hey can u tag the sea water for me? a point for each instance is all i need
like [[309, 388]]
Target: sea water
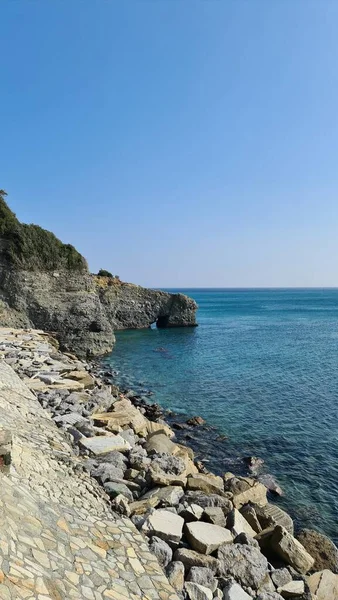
[[262, 367]]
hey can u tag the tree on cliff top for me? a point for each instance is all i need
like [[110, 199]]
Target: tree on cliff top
[[31, 248]]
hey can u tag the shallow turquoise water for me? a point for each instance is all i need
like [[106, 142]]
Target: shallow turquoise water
[[263, 368]]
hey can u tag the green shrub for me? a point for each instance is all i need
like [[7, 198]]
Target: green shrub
[[32, 248], [104, 273]]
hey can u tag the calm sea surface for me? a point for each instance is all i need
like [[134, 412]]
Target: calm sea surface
[[262, 367]]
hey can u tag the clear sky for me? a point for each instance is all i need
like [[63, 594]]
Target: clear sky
[[177, 142]]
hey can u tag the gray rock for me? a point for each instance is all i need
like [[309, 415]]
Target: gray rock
[[204, 576], [101, 444], [175, 574], [245, 564], [290, 550], [115, 458], [138, 459], [214, 515], [205, 537], [238, 524], [293, 589], [168, 496], [280, 577], [195, 591], [271, 514], [270, 484], [113, 489], [107, 472], [209, 500], [190, 558], [250, 515], [172, 465], [160, 443], [244, 490], [233, 591], [162, 551], [165, 525], [244, 538], [190, 512], [269, 596]]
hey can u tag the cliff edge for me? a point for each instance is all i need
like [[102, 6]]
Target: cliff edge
[[45, 284]]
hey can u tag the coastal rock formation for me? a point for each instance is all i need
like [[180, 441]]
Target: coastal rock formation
[[46, 285], [127, 458]]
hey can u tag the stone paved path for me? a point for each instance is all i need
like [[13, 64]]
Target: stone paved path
[[58, 538]]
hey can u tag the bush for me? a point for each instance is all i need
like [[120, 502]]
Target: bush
[[104, 273], [31, 248]]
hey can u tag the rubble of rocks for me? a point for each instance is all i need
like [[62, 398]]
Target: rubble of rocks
[[215, 537]]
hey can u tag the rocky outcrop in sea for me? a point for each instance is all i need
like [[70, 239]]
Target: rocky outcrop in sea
[[214, 536], [46, 285]]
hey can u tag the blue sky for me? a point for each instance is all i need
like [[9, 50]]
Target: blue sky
[[177, 142]]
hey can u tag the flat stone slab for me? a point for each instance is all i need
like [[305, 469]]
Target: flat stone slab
[[164, 524], [205, 537], [100, 444], [324, 585]]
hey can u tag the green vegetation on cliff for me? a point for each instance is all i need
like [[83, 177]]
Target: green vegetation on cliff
[[31, 248]]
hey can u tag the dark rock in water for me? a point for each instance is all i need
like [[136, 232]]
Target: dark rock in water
[[195, 421], [321, 548], [180, 426], [271, 484], [254, 463], [222, 438]]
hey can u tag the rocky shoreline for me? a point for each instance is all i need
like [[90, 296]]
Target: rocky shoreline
[[215, 536]]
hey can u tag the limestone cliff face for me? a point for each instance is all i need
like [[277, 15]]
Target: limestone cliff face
[[46, 284], [83, 310]]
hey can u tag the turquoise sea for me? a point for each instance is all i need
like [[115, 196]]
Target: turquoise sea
[[262, 367]]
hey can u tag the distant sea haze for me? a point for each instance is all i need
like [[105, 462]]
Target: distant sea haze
[[262, 367]]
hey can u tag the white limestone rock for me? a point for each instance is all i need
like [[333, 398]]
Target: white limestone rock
[[205, 537]]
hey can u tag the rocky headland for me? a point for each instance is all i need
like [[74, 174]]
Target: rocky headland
[[213, 536], [46, 284]]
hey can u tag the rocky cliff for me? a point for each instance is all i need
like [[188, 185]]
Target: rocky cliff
[[46, 285]]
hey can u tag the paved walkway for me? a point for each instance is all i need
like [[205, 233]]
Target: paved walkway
[[58, 537]]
